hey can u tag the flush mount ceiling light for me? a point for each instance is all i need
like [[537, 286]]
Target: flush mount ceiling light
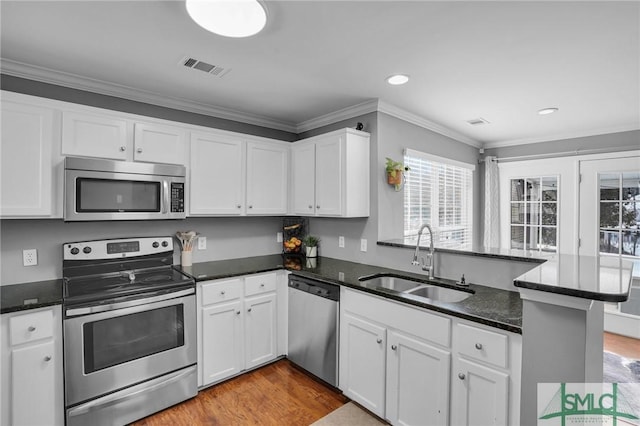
[[397, 79], [229, 18], [546, 111]]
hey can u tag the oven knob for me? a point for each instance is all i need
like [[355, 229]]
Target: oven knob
[[86, 250], [155, 244], [165, 244], [75, 250]]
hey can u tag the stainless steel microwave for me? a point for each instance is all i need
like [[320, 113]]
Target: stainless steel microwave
[[97, 189]]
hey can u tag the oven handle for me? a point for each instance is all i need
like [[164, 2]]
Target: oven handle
[[74, 312], [114, 398]]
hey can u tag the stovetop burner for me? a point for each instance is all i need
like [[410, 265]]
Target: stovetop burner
[[100, 271]]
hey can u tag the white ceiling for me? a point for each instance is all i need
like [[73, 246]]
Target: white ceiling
[[502, 61]]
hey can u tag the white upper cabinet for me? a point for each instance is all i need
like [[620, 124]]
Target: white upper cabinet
[[94, 135], [216, 175], [29, 158], [155, 143], [330, 175], [267, 178], [90, 132], [230, 176]]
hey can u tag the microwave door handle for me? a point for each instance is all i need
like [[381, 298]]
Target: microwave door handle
[[165, 198]]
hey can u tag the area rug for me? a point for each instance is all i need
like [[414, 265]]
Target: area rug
[[348, 415], [618, 369]]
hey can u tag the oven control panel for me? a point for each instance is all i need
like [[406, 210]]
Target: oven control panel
[[117, 248]]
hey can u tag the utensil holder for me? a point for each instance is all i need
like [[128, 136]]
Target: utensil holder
[[186, 259]]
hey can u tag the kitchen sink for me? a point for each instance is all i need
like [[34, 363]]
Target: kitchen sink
[[440, 294], [389, 282], [408, 286]]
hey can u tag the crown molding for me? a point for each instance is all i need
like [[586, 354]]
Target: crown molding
[[561, 136], [412, 118], [45, 75], [342, 114]]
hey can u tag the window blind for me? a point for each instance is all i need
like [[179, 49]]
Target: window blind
[[439, 192]]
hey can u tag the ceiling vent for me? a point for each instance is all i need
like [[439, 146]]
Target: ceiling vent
[[477, 121], [196, 64]]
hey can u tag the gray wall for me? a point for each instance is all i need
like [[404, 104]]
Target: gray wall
[[45, 90]]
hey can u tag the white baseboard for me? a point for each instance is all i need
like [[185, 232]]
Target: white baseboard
[[621, 323]]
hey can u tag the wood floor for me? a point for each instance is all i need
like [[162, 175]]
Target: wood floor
[[622, 345], [277, 394]]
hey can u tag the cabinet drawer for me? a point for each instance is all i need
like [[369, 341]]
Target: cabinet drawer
[[221, 291], [30, 327], [258, 284], [483, 345]]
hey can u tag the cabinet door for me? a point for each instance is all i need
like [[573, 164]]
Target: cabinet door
[[362, 362], [267, 178], [33, 384], [260, 329], [329, 184], [26, 164], [216, 175], [221, 342], [88, 135], [303, 178], [155, 143], [480, 395], [417, 382]]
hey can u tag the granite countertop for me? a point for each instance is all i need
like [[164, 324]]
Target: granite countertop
[[489, 306], [589, 277], [19, 297]]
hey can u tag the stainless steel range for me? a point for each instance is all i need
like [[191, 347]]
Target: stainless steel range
[[129, 330]]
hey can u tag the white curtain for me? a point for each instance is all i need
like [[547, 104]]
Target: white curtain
[[491, 203]]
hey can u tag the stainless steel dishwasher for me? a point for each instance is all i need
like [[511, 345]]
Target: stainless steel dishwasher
[[313, 327]]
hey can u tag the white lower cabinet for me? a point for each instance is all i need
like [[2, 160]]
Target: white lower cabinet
[[417, 381], [413, 367], [32, 383], [238, 324], [486, 376]]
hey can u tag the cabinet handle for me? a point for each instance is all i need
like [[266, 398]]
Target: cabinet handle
[[139, 150], [47, 358], [250, 206], [239, 206], [249, 310], [222, 292], [379, 340], [394, 347], [461, 376], [317, 207], [310, 206], [31, 328], [123, 148], [238, 313], [262, 285], [478, 346]]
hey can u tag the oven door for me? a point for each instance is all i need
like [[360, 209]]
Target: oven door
[[108, 351]]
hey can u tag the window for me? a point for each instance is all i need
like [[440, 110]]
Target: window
[[534, 213], [619, 213], [439, 192]]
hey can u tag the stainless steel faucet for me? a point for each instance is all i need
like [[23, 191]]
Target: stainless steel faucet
[[429, 268]]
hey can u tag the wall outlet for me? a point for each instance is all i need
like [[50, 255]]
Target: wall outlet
[[202, 243], [30, 257], [279, 237], [363, 244], [341, 241]]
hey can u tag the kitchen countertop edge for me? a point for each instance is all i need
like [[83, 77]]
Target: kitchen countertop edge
[[45, 293]]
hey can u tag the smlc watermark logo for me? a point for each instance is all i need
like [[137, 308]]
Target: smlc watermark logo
[[588, 403]]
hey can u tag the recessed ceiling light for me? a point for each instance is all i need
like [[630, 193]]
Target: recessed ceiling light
[[397, 79], [546, 111], [229, 18]]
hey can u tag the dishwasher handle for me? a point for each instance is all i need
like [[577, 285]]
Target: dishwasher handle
[[316, 288]]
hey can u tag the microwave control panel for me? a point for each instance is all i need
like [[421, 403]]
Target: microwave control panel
[[177, 197]]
